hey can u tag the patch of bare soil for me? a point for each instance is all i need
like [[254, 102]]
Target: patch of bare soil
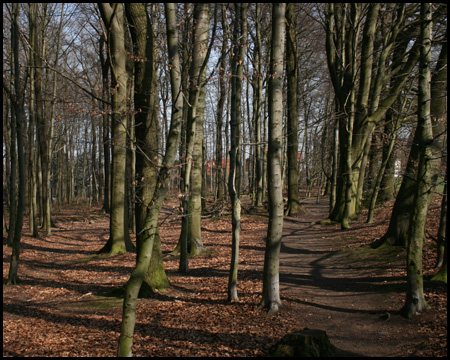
[[328, 281]]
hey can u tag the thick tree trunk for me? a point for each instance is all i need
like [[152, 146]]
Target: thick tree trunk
[[17, 101], [112, 16], [151, 222], [145, 132], [271, 286]]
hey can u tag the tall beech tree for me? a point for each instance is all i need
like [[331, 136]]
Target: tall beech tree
[[145, 132], [292, 111], [191, 236], [257, 84], [16, 93], [113, 17], [220, 186], [271, 284], [150, 230], [415, 301], [32, 153], [44, 127], [234, 180]]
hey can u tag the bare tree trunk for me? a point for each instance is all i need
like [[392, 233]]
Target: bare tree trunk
[[271, 286], [398, 231], [190, 237], [105, 130], [292, 113], [257, 110], [441, 262], [415, 301], [13, 175], [31, 127], [220, 112], [151, 222], [234, 180], [147, 148], [17, 101], [112, 16], [381, 173]]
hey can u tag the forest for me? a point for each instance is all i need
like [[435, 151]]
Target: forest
[[195, 179]]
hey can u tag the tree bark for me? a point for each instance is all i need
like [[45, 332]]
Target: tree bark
[[44, 133], [32, 125], [257, 110], [292, 114], [363, 115], [17, 101], [104, 62], [441, 261], [234, 180], [398, 230], [145, 132], [190, 237], [151, 221], [415, 301], [220, 111], [271, 287], [112, 16]]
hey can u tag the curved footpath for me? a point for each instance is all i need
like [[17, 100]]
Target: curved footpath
[[348, 302]]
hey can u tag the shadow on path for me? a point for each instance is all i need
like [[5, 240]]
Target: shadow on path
[[344, 301]]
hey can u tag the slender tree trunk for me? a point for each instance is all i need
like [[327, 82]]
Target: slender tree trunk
[[415, 301], [271, 286], [13, 175], [234, 181], [43, 127], [292, 114], [441, 262], [387, 185], [105, 129], [257, 110], [31, 127], [191, 225], [220, 112], [334, 171]]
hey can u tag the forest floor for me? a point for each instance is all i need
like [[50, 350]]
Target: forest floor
[[328, 279]]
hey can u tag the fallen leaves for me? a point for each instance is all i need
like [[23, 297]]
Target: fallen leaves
[[56, 310]]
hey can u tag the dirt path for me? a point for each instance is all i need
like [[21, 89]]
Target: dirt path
[[345, 298]]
